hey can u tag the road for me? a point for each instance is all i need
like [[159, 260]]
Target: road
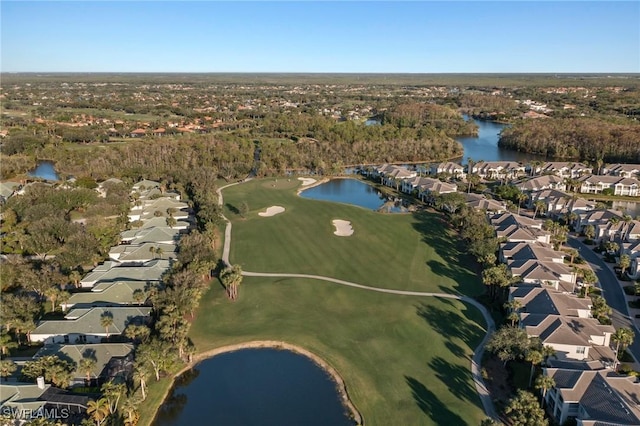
[[611, 291]]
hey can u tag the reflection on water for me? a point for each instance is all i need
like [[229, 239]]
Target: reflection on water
[[353, 191], [485, 145], [254, 387]]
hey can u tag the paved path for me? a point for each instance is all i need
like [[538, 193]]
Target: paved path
[[611, 291], [476, 360]]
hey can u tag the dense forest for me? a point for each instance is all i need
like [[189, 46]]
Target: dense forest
[[585, 139]]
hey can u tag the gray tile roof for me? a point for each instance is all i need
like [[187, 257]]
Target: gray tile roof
[[87, 321]]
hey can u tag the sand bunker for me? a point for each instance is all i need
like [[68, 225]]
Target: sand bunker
[[343, 228], [307, 181], [271, 211]]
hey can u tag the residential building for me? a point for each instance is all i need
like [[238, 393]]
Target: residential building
[[448, 168], [624, 170], [112, 360], [596, 184], [498, 169], [593, 398], [84, 325]]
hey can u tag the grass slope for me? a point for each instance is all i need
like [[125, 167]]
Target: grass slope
[[400, 251], [405, 360]]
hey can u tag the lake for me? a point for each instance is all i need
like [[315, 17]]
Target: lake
[[45, 170], [254, 387], [352, 191], [485, 145]]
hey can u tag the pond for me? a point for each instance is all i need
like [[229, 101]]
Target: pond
[[254, 387], [355, 192], [44, 170]]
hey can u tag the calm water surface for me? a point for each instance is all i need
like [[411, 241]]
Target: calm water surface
[[45, 170], [254, 387], [485, 145], [351, 191]]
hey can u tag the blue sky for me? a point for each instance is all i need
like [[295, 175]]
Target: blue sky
[[338, 36]]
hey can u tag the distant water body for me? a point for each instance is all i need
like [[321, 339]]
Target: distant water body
[[44, 170], [485, 145]]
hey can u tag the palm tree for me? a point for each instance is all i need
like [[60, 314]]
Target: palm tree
[[543, 384], [129, 409], [98, 410], [547, 352], [624, 263], [524, 410], [589, 232], [522, 197], [140, 374], [231, 278], [623, 338], [535, 357], [573, 253], [7, 367], [540, 206], [106, 320], [139, 296], [87, 365], [6, 342], [75, 278]]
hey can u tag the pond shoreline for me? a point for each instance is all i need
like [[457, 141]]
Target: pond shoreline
[[275, 344]]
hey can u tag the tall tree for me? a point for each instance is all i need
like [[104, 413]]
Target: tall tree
[[624, 263], [623, 338], [232, 278], [543, 384], [98, 410], [106, 320], [524, 410]]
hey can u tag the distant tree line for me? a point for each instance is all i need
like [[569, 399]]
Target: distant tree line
[[585, 139]]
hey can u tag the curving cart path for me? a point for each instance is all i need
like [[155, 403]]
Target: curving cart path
[[476, 360]]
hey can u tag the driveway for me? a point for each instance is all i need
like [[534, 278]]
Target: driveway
[[611, 291]]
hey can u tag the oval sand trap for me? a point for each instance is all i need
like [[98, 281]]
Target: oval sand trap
[[271, 211], [307, 181], [343, 228]]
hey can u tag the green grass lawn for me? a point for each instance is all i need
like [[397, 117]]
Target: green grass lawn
[[404, 359], [400, 251]]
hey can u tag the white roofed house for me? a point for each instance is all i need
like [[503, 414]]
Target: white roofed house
[[542, 182], [392, 175], [562, 169], [498, 169], [480, 202], [575, 339], [597, 184], [597, 217], [429, 188], [535, 299], [111, 360], [448, 168], [84, 325], [545, 273], [593, 398], [109, 294], [526, 251], [624, 170], [110, 272], [632, 249], [515, 228], [159, 207], [141, 253]]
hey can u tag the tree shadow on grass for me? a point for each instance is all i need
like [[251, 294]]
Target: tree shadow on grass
[[458, 266], [449, 324], [457, 378], [429, 403], [233, 209]]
